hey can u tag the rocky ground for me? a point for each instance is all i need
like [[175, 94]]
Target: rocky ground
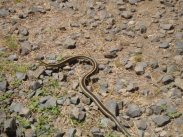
[[137, 43]]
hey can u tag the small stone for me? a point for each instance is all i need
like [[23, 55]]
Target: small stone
[[75, 85], [75, 100], [69, 43], [59, 134], [96, 132], [179, 82], [132, 87], [21, 76], [71, 132], [26, 48], [10, 127], [35, 85], [133, 111], [78, 114], [13, 57], [3, 85], [106, 122], [142, 125], [175, 93], [164, 45], [4, 12], [61, 101], [129, 65], [103, 87], [156, 109], [126, 14], [179, 48], [132, 1], [161, 120], [167, 79], [110, 55], [112, 107], [166, 26], [139, 68], [154, 64], [163, 134], [23, 32]]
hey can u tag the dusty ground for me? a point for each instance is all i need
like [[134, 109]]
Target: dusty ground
[[137, 44]]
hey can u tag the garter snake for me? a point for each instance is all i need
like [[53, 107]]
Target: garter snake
[[88, 93]]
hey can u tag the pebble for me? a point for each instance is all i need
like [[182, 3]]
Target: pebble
[[75, 100], [179, 48], [167, 79], [164, 45], [71, 132], [26, 48], [35, 85], [21, 76], [139, 68], [161, 120], [112, 107], [132, 87], [10, 127], [4, 12], [133, 111], [69, 43], [23, 31], [127, 14], [96, 132], [78, 114], [3, 85], [166, 26], [13, 57], [142, 125]]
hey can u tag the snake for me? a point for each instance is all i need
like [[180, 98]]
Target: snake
[[83, 86]]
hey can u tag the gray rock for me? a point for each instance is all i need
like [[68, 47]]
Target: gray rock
[[21, 76], [3, 85], [127, 14], [161, 120], [112, 106], [35, 85], [166, 26], [179, 48], [103, 87], [132, 1], [36, 73], [96, 132], [142, 125], [133, 111], [48, 72], [143, 29], [179, 121], [75, 84], [59, 134], [167, 79], [75, 100], [179, 35], [129, 65], [71, 132], [171, 69], [164, 45], [78, 114], [26, 48], [110, 55], [106, 122], [139, 68], [30, 133], [13, 57], [23, 31], [50, 102], [4, 12], [154, 64], [69, 43], [175, 93], [2, 119], [179, 83], [132, 87], [10, 127], [61, 101], [156, 109], [19, 108]]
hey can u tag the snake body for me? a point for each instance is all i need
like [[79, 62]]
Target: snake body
[[88, 93]]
